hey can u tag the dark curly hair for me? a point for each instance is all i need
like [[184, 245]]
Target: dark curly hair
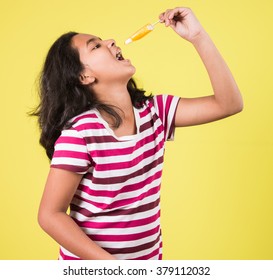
[[63, 96]]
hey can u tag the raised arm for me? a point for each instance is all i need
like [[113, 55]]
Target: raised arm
[[227, 99], [59, 190]]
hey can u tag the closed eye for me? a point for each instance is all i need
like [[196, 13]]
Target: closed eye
[[96, 46], [94, 42]]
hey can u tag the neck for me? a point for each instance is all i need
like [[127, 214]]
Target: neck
[[116, 95], [119, 97]]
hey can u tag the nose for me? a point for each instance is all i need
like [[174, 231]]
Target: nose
[[111, 43]]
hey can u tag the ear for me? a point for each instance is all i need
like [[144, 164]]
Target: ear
[[86, 79]]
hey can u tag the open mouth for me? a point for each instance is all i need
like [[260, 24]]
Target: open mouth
[[119, 56]]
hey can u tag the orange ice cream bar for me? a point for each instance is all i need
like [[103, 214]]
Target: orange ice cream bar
[[141, 32]]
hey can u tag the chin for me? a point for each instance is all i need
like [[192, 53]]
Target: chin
[[133, 70], [131, 73]]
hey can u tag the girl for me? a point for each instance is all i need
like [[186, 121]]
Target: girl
[[105, 139]]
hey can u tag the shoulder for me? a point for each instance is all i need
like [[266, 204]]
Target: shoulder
[[161, 101], [154, 100], [80, 126], [84, 117], [85, 121]]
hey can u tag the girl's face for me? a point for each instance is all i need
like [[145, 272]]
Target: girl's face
[[102, 59]]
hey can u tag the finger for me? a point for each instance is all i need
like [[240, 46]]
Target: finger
[[168, 18], [161, 18], [172, 16], [164, 17], [175, 14]]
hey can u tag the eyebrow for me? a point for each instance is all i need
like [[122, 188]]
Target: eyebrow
[[92, 40]]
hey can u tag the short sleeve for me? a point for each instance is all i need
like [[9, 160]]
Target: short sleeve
[[166, 106], [71, 153]]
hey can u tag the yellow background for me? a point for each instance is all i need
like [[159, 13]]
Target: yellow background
[[218, 178]]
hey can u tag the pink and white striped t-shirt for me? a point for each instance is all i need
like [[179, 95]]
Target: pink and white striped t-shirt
[[117, 203]]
